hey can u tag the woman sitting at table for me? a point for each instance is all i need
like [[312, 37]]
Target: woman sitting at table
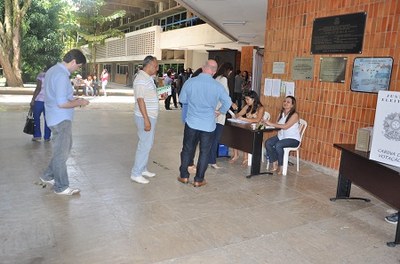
[[288, 136], [252, 112]]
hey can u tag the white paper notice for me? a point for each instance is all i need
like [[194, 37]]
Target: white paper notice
[[268, 87], [276, 87], [386, 136], [289, 88]]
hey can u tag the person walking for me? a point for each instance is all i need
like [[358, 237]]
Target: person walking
[[104, 81], [201, 94], [146, 113], [37, 103], [59, 105]]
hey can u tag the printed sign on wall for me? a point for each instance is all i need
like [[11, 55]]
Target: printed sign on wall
[[386, 136]]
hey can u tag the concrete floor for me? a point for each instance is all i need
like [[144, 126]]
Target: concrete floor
[[265, 219]]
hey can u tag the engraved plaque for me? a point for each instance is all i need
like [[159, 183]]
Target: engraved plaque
[[338, 34], [333, 69], [303, 69]]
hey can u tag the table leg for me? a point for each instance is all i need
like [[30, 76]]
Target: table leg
[[397, 236]]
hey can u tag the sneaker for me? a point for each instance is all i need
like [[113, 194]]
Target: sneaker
[[139, 179], [148, 174], [68, 191], [49, 182], [392, 219], [37, 139], [47, 139]]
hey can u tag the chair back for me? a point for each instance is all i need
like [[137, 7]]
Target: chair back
[[266, 116], [302, 128]]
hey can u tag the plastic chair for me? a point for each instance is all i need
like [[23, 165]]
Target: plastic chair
[[302, 128]]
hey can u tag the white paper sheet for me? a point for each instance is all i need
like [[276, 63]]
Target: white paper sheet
[[268, 87], [276, 87]]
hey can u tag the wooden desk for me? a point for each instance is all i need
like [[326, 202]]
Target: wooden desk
[[242, 137], [383, 181]]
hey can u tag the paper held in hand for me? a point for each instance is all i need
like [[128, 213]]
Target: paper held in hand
[[164, 89], [231, 113]]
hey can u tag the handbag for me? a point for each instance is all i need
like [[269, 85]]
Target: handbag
[[29, 123]]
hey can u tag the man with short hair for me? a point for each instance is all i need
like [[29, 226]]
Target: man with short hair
[[60, 104], [146, 113], [201, 94]]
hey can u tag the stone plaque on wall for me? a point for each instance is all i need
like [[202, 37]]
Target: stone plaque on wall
[[338, 34], [303, 68], [333, 69]]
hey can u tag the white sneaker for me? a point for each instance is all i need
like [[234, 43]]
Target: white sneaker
[[139, 179], [48, 182], [148, 174], [69, 191]]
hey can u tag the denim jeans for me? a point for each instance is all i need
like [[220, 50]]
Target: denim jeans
[[275, 148], [145, 142], [190, 139], [38, 109], [214, 146], [62, 143]]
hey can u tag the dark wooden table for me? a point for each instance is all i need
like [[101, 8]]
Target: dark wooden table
[[381, 180], [242, 137]]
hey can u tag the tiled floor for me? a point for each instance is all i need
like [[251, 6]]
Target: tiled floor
[[265, 219]]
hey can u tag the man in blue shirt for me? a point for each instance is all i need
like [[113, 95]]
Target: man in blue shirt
[[60, 104], [201, 94]]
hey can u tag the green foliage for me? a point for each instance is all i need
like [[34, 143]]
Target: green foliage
[[41, 38]]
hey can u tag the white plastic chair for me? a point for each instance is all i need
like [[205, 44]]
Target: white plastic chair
[[302, 128]]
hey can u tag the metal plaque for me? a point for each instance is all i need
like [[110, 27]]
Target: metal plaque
[[333, 69], [303, 68], [338, 34]]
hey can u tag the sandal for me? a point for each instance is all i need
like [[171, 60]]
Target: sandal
[[232, 160], [245, 163]]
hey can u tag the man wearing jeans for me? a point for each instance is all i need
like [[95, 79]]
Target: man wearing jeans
[[201, 94], [146, 113], [60, 104]]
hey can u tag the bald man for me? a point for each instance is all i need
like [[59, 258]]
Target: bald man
[[201, 94]]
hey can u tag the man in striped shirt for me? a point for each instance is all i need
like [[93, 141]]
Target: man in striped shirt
[[146, 113]]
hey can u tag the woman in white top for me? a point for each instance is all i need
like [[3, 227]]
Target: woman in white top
[[288, 136], [222, 77]]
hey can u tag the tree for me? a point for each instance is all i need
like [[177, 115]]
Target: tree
[[42, 43], [92, 25], [11, 18]]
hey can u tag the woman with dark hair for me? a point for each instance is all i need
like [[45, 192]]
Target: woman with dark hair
[[222, 77], [246, 84], [252, 112], [288, 136]]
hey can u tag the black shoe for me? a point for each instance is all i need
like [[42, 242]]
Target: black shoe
[[392, 219]]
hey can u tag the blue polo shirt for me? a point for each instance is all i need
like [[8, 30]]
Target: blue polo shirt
[[58, 91], [202, 94]]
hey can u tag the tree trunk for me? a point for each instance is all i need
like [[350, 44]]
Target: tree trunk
[[11, 78]]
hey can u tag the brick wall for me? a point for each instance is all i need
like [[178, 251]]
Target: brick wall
[[334, 113]]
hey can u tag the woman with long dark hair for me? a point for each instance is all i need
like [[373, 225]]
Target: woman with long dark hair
[[288, 136], [252, 112], [222, 77]]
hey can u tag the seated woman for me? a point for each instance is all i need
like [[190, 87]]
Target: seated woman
[[252, 112], [288, 136]]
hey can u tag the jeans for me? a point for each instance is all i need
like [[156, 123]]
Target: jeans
[[38, 109], [167, 101], [103, 87], [62, 143], [275, 148], [145, 142], [190, 139], [214, 146]]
